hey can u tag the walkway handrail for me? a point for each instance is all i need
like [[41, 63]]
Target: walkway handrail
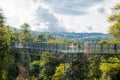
[[64, 47]]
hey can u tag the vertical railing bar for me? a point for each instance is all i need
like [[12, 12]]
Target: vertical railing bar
[[101, 48], [115, 48]]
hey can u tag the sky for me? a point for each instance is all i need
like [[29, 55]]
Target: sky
[[59, 15]]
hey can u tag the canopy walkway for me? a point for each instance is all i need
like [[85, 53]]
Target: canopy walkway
[[35, 49], [91, 48]]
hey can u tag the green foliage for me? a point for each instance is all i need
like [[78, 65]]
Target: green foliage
[[2, 18], [110, 71], [35, 68], [13, 71], [114, 42], [77, 68], [114, 18], [60, 71], [26, 35], [23, 34], [48, 37], [25, 59], [103, 42], [16, 35], [94, 73], [7, 56], [117, 7], [56, 41], [26, 28], [48, 63], [40, 37], [114, 29]]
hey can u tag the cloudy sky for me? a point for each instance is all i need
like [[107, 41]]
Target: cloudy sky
[[59, 15]]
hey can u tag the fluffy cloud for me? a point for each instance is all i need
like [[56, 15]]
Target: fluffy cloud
[[77, 15], [49, 20], [16, 11], [72, 7], [59, 15], [101, 10]]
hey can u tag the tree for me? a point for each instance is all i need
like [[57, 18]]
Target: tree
[[94, 73], [110, 71], [103, 42], [4, 42], [49, 37], [77, 70], [26, 35], [60, 72], [114, 29], [16, 35], [40, 37], [48, 63], [56, 41], [2, 18], [7, 58], [35, 68]]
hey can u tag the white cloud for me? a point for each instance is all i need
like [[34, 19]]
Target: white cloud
[[94, 18], [49, 19], [16, 11], [59, 15], [82, 22], [71, 7], [44, 16]]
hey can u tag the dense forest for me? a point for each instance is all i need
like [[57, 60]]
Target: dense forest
[[52, 66]]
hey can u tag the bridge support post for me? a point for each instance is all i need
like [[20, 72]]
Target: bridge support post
[[78, 46], [86, 47], [101, 48], [56, 48], [115, 48], [108, 48]]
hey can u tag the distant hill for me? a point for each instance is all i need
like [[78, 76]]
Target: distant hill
[[92, 37], [72, 35]]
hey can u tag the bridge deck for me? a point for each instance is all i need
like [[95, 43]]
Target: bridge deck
[[112, 49]]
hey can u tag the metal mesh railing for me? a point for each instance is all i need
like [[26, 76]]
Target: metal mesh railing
[[69, 48]]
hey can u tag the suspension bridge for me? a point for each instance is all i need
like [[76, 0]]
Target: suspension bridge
[[69, 48]]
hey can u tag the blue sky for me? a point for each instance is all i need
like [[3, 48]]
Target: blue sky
[[59, 15]]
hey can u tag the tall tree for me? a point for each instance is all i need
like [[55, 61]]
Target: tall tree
[[16, 35], [2, 18], [40, 38], [114, 29], [6, 53], [60, 72], [48, 37], [110, 71], [48, 63], [26, 35]]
